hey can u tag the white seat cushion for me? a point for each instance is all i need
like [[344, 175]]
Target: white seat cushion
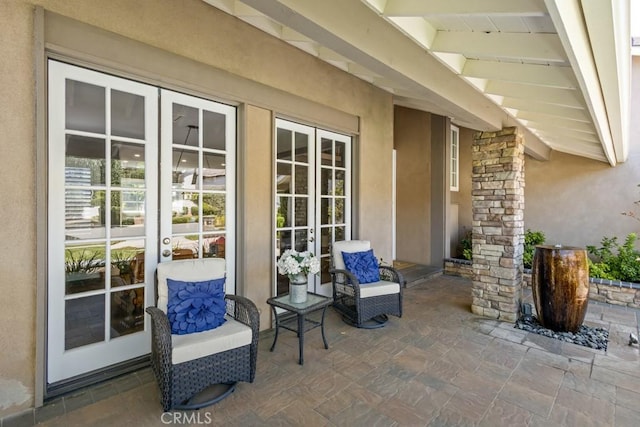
[[232, 334], [374, 289]]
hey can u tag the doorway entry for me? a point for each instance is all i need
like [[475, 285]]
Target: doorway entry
[[312, 185], [136, 175]]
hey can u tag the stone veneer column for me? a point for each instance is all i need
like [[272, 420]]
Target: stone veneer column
[[498, 228]]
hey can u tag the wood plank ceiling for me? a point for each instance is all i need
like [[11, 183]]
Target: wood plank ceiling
[[559, 69]]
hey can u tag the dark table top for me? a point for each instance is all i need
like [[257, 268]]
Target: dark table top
[[313, 302]]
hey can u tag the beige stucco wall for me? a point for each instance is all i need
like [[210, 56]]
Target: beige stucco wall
[[17, 210], [412, 134], [193, 30], [577, 201]]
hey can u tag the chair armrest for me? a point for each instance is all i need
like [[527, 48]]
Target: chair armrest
[[160, 326], [392, 275], [350, 278], [161, 360], [245, 311], [345, 278]]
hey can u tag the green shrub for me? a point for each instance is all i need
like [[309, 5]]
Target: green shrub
[[180, 219], [467, 245], [614, 261], [531, 239]]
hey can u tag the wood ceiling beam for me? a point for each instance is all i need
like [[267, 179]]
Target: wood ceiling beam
[[521, 46], [550, 95], [453, 7], [542, 75]]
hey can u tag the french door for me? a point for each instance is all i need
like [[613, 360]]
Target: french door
[[312, 196], [197, 180], [114, 213]]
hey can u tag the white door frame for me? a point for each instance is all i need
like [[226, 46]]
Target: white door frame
[[61, 363], [167, 146], [318, 204]]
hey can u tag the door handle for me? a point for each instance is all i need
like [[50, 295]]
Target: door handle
[[166, 253], [311, 239]]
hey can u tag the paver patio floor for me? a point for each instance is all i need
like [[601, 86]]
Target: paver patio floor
[[439, 365]]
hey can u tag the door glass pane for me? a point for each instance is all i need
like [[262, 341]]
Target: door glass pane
[[325, 210], [283, 178], [325, 182], [127, 213], [301, 212], [213, 170], [185, 212], [185, 125], [184, 247], [84, 321], [284, 144], [214, 130], [84, 214], [302, 147], [340, 234], [340, 183], [283, 241], [85, 107], [127, 114], [325, 265], [127, 312], [283, 211], [185, 168], [85, 162], [127, 164], [325, 240], [213, 246], [84, 267], [302, 179], [137, 268], [339, 211], [213, 211], [326, 152], [340, 155], [301, 237], [127, 262]]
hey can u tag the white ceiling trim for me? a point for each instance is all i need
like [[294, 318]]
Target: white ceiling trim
[[521, 46], [569, 22], [613, 65], [452, 7], [488, 64]]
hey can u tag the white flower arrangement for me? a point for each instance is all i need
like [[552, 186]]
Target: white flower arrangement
[[293, 263]]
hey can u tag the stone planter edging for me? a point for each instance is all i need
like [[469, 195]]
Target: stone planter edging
[[604, 290]]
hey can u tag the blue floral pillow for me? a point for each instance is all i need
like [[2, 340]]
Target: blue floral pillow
[[363, 265], [195, 306]]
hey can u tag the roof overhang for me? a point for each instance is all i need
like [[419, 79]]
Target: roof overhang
[[558, 69]]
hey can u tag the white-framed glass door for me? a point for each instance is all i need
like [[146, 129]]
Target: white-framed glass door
[[113, 205], [312, 188], [333, 195], [197, 214], [102, 219]]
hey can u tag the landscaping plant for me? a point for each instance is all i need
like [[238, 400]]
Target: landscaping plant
[[614, 261], [531, 239]]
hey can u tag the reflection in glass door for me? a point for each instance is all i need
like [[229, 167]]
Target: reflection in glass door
[[312, 191], [102, 219], [197, 217]]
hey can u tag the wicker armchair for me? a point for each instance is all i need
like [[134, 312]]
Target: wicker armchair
[[188, 367], [364, 305]]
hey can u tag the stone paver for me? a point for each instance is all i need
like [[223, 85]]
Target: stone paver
[[439, 365]]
